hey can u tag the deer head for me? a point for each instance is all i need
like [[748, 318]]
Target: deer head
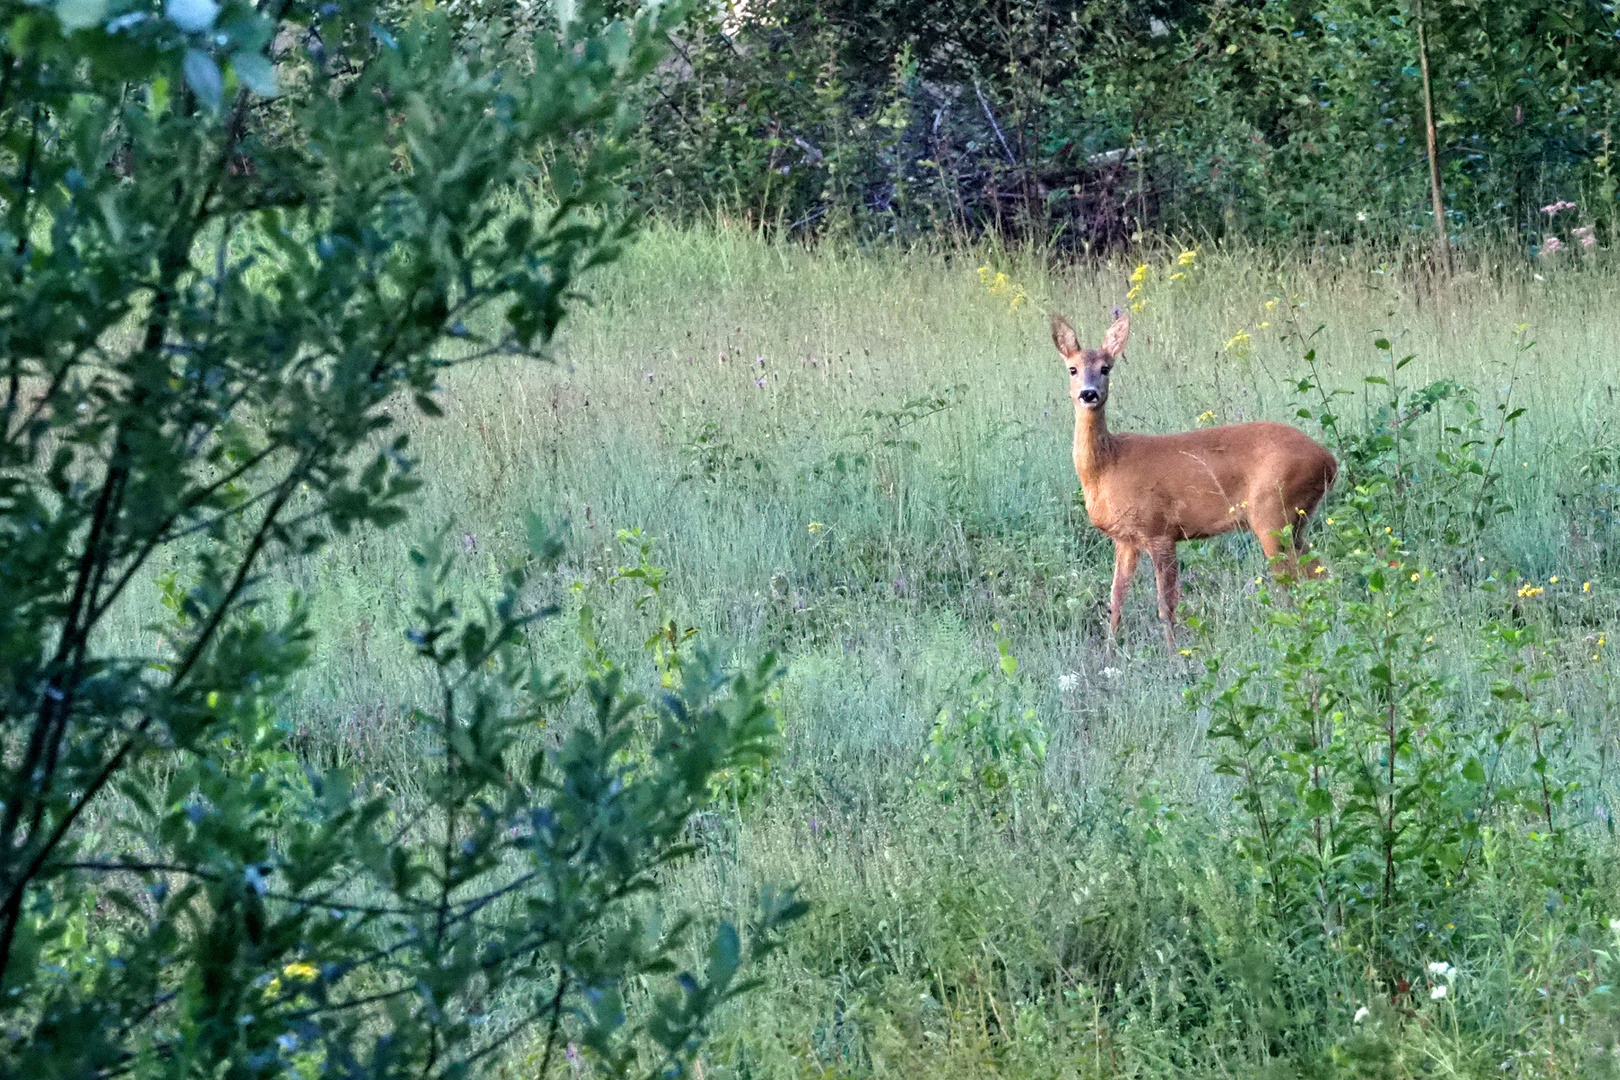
[[1089, 368]]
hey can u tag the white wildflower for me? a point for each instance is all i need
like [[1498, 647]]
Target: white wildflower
[[1437, 993], [1361, 1014]]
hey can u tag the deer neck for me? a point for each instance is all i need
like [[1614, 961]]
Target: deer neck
[[1093, 445]]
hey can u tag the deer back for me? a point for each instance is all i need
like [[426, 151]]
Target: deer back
[[1203, 483]]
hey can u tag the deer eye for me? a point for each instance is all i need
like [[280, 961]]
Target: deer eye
[[1107, 369], [1074, 371]]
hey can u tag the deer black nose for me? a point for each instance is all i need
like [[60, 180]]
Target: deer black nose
[[1089, 396]]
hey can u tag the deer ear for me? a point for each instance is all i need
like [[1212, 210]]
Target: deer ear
[[1064, 338], [1114, 341]]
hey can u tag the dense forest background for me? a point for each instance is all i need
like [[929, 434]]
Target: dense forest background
[[1090, 123]]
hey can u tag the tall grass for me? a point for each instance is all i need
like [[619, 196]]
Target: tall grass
[[862, 460]]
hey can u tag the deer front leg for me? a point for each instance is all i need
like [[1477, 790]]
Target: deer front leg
[[1125, 557], [1167, 573]]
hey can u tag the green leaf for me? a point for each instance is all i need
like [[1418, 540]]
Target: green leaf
[[724, 956], [256, 72], [202, 75], [80, 14]]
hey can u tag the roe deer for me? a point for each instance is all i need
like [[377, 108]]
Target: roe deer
[[1149, 492]]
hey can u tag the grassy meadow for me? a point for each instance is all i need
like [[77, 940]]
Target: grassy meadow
[[860, 460]]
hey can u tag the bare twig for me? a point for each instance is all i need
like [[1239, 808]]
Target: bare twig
[[990, 116]]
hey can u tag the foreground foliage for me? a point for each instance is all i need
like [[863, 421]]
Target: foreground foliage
[[235, 243]]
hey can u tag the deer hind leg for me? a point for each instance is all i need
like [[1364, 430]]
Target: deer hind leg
[[1125, 557], [1287, 520], [1282, 538], [1280, 529], [1167, 572], [1279, 555], [1309, 566]]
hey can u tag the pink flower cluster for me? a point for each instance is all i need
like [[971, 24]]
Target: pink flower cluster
[[1556, 208], [1585, 235]]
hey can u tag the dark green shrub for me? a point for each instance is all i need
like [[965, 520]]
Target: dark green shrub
[[237, 239]]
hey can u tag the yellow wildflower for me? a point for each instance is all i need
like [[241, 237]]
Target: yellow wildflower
[[1238, 343], [1177, 276], [816, 527], [1527, 591], [297, 971], [1138, 283], [1003, 287], [1586, 586], [1553, 580], [1414, 577], [1271, 304], [1206, 417], [1186, 258]]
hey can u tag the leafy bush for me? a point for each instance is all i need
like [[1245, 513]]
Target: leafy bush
[[1381, 760], [236, 242], [989, 747]]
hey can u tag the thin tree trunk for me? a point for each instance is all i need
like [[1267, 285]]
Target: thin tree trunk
[[1436, 192]]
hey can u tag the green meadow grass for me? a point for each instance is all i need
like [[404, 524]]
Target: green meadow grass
[[881, 579], [861, 460]]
